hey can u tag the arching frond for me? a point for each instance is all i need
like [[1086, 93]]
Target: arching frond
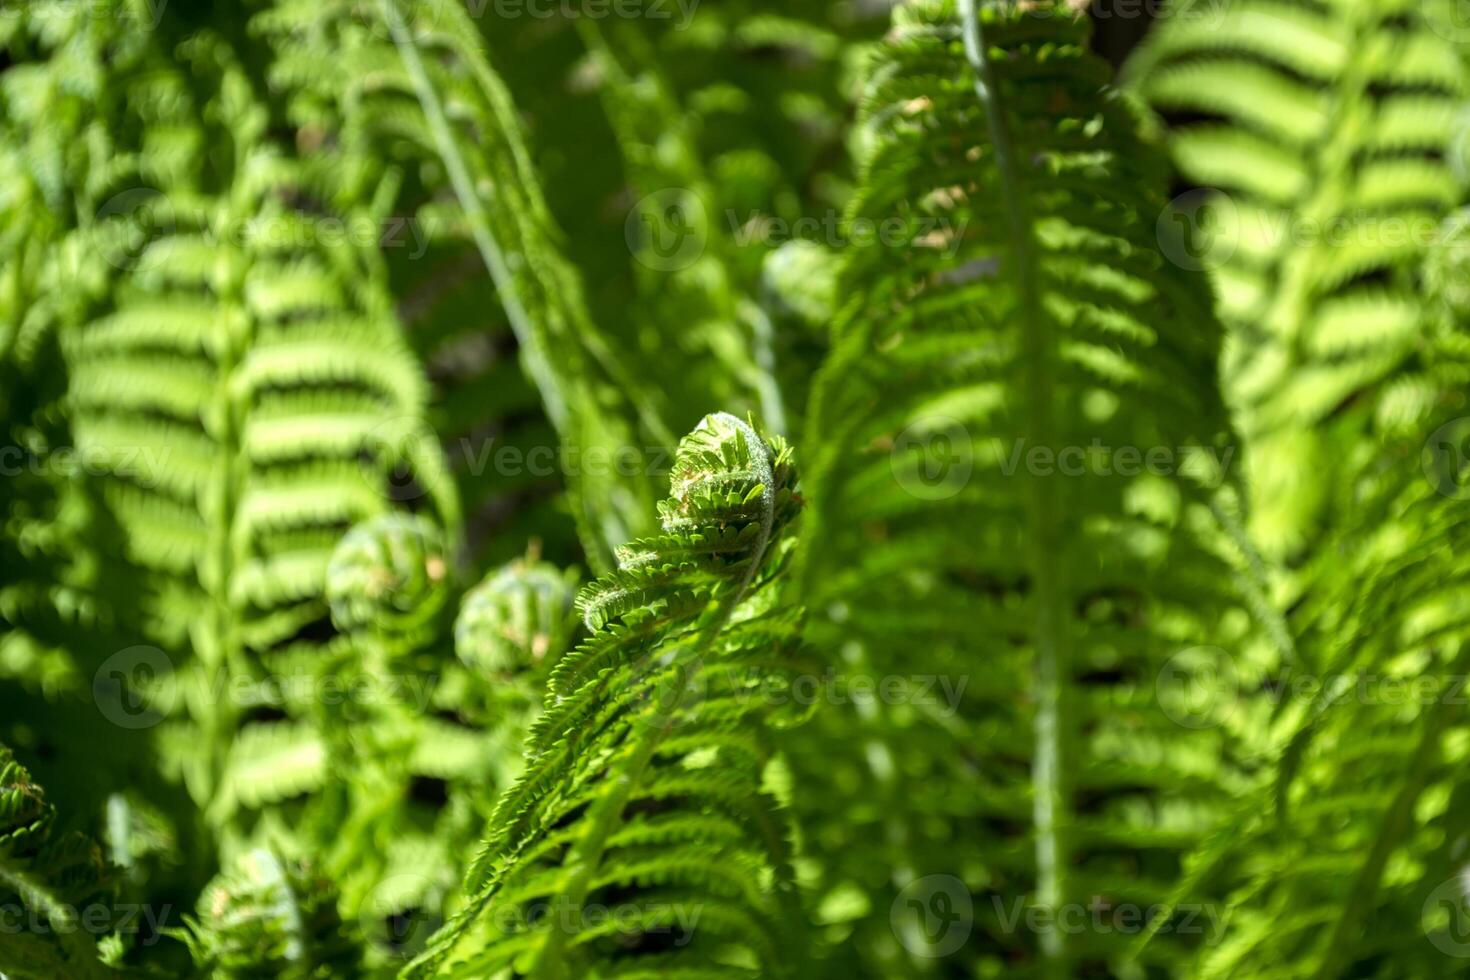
[[424, 84], [642, 803], [982, 501]]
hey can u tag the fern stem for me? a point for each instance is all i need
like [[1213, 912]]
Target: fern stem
[[767, 387], [1254, 580], [1051, 803], [756, 368], [526, 335], [219, 644]]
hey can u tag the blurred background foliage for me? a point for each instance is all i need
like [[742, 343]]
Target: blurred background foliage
[[342, 340]]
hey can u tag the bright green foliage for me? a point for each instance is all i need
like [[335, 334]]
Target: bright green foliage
[[729, 121], [231, 385], [264, 919], [643, 789], [1023, 311], [1344, 857], [1325, 133], [423, 58], [1126, 598], [387, 574], [519, 617], [1447, 274], [373, 132]]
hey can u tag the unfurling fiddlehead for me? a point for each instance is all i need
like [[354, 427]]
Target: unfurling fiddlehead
[[520, 616], [263, 918], [46, 880], [643, 792], [388, 573]]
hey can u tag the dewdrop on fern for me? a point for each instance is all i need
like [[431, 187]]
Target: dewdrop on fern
[[520, 615], [387, 574]]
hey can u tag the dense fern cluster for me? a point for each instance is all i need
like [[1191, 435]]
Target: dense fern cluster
[[1113, 623]]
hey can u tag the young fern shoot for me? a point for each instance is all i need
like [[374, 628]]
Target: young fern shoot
[[643, 782]]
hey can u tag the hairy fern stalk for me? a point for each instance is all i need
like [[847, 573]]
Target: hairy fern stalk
[[1113, 626]]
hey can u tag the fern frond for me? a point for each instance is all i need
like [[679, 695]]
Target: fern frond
[[1355, 844], [46, 882], [386, 573], [518, 616], [1025, 318], [637, 755], [1322, 134], [433, 88]]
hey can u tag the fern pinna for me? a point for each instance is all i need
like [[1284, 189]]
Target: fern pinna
[[640, 842], [1344, 858], [1324, 138], [427, 89], [972, 500], [238, 382]]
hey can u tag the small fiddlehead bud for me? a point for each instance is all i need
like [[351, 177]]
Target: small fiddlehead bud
[[264, 918], [387, 574], [519, 616]]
